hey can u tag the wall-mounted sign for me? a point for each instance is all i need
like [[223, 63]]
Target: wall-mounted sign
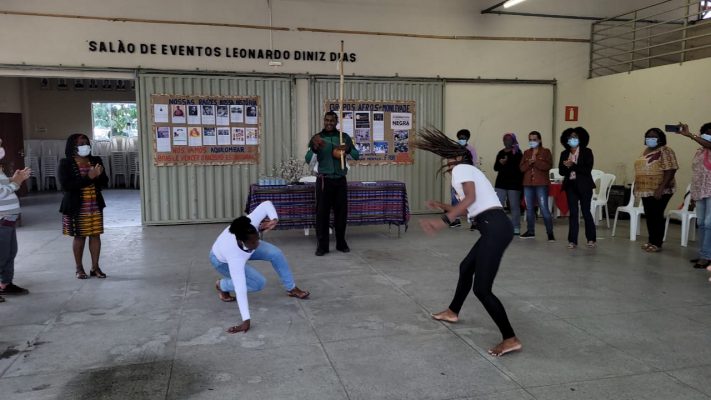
[[215, 51], [571, 113], [381, 130]]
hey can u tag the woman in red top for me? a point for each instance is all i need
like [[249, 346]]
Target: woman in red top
[[536, 165]]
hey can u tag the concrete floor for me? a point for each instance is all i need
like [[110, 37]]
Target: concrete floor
[[610, 323]]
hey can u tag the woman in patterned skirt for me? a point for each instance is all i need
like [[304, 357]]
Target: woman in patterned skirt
[[82, 177]]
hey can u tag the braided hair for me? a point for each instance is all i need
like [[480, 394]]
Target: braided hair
[[434, 141]]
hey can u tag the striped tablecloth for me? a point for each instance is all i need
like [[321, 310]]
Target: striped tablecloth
[[371, 203]]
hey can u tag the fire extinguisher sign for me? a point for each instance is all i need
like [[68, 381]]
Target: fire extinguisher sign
[[571, 113]]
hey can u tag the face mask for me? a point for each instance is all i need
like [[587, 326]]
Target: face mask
[[508, 144], [651, 142], [462, 142], [705, 136], [246, 250], [84, 150], [2, 153], [573, 142], [532, 144]]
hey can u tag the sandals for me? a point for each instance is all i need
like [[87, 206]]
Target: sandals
[[80, 274], [652, 249], [592, 245], [572, 246], [96, 272], [298, 293], [224, 296]]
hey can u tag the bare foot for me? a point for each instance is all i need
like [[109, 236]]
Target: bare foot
[[507, 346], [446, 316]]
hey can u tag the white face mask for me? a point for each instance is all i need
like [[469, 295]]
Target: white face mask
[[84, 150], [705, 136], [2, 153], [462, 142]]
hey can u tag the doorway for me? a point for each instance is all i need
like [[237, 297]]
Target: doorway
[[51, 109]]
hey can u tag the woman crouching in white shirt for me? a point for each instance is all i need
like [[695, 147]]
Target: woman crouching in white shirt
[[479, 202], [239, 243]]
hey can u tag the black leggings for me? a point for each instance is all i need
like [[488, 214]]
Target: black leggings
[[481, 265], [654, 214]]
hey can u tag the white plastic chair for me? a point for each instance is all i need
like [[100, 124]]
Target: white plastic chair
[[118, 167], [555, 175], [36, 176], [49, 171], [596, 176], [102, 148], [133, 168], [635, 209], [685, 216], [600, 202]]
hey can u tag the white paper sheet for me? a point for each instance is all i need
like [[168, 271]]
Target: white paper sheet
[[160, 113], [237, 113], [177, 112], [401, 121], [209, 136], [238, 136], [194, 115], [252, 136], [195, 136], [223, 115], [347, 123], [180, 136], [208, 115], [378, 125], [163, 139], [252, 117], [223, 135]]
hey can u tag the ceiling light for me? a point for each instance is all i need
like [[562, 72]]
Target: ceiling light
[[512, 3]]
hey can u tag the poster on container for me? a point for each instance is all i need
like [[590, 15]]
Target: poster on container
[[381, 130], [205, 130]]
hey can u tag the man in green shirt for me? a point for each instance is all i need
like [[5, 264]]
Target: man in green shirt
[[331, 185]]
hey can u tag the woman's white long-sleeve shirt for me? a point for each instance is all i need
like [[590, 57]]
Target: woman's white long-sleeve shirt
[[227, 251]]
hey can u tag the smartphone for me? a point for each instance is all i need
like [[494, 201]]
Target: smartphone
[[675, 128]]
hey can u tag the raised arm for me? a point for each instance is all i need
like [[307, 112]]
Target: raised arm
[[264, 210]]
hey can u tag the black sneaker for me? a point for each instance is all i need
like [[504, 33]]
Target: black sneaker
[[343, 248], [551, 238], [2, 299], [456, 224], [320, 252], [13, 289], [528, 235]]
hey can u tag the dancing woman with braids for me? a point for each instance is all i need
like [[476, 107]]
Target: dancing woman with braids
[[477, 201]]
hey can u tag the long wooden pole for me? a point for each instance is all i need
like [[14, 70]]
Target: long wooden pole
[[340, 104]]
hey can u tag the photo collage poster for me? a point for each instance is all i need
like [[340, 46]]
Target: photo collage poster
[[205, 130], [381, 130]]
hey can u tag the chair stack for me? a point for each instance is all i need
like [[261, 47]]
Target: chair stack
[[50, 164], [35, 179], [118, 168], [133, 168]]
